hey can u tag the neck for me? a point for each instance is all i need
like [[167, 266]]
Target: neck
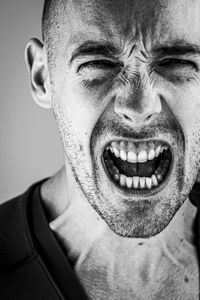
[[89, 242], [60, 198]]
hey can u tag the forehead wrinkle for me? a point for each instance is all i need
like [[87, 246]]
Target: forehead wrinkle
[[137, 22], [90, 29], [107, 21], [105, 18], [126, 34], [88, 48]]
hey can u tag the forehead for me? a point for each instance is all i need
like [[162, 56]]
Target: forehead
[[130, 21]]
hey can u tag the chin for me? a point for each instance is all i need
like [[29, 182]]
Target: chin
[[140, 186]]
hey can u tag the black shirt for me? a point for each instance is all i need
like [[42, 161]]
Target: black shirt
[[32, 262]]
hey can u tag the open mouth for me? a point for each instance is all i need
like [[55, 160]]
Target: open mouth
[[138, 166]]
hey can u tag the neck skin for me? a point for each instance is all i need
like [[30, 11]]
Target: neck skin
[[59, 200], [90, 244]]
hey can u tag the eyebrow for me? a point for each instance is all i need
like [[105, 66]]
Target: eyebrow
[[94, 48], [177, 48]]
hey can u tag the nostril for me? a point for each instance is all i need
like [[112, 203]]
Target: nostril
[[135, 118], [126, 117], [148, 117]]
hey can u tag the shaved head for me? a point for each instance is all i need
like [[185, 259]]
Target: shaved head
[[50, 18]]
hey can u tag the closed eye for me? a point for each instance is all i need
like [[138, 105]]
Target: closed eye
[[176, 70], [173, 62], [98, 65]]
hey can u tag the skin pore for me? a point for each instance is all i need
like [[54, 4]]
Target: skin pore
[[123, 72]]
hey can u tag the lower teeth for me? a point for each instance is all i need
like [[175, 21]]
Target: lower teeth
[[137, 182]]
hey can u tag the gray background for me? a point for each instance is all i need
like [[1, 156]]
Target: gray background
[[30, 148]]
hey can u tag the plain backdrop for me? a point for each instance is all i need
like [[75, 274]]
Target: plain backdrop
[[30, 147]]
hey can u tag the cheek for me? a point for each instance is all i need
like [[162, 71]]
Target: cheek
[[185, 105], [186, 108], [80, 108]]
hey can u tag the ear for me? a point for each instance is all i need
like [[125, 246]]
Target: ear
[[36, 61]]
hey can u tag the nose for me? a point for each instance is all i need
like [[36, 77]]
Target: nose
[[137, 106]]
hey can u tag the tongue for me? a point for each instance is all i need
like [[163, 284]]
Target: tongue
[[146, 169]]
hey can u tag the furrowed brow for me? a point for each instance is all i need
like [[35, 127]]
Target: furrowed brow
[[94, 48], [178, 48]]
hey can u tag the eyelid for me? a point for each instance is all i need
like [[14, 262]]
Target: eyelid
[[176, 74], [99, 62], [177, 61]]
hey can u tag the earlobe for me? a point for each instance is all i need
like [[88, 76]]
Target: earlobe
[[36, 61]]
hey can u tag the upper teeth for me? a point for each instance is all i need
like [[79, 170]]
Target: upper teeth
[[132, 156]]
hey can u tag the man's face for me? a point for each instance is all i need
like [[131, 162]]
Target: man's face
[[125, 81]]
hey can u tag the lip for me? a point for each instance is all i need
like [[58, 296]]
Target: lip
[[124, 191]]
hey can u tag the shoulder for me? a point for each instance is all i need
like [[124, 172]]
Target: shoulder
[[15, 242]]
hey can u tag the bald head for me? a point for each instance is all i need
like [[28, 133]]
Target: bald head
[[51, 13], [68, 17]]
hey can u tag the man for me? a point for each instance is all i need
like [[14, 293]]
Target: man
[[117, 222]]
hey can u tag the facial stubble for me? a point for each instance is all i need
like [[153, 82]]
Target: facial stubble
[[129, 218]]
